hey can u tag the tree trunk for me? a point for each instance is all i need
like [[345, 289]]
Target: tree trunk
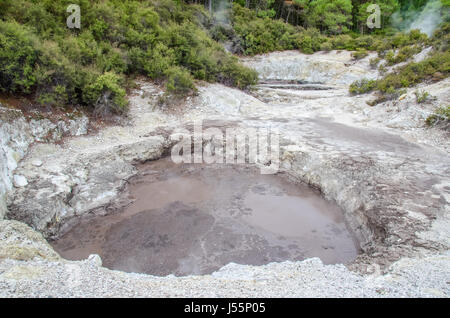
[[289, 13]]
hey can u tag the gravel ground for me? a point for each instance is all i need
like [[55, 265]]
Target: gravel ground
[[30, 268], [427, 277]]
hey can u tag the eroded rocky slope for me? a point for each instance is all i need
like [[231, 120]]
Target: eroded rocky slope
[[18, 132]]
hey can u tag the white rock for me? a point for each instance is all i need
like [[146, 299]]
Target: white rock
[[37, 163], [20, 181], [95, 259]]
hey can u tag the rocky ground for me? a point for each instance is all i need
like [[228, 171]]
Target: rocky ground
[[388, 172], [19, 131]]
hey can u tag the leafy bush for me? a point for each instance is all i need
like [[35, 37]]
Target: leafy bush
[[359, 54], [317, 39], [332, 17], [434, 68], [172, 41], [365, 42], [382, 69], [422, 96], [440, 117], [362, 86], [162, 39], [403, 54], [414, 73], [343, 42], [179, 81], [390, 57], [222, 33], [306, 44], [107, 94], [326, 46], [382, 97], [262, 35], [18, 58], [374, 62]]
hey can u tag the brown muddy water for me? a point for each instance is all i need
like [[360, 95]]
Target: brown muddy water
[[194, 219]]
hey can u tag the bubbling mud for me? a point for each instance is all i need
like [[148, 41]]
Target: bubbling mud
[[193, 219]]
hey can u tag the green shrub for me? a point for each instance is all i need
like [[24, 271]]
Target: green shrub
[[362, 86], [236, 75], [107, 94], [390, 57], [435, 67], [422, 96], [441, 37], [403, 54], [343, 42], [365, 42], [162, 39], [386, 96], [415, 73], [374, 62], [222, 33], [306, 44], [326, 46], [440, 117], [179, 82], [173, 41], [262, 35], [18, 58], [316, 38], [382, 69], [359, 54]]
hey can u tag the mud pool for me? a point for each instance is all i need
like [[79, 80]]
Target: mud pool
[[194, 219]]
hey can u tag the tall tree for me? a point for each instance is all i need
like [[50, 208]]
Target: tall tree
[[387, 8], [334, 17]]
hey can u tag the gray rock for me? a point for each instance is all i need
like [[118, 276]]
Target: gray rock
[[335, 67], [20, 242], [17, 134]]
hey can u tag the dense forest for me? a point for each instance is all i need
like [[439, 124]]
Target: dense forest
[[178, 42], [333, 16]]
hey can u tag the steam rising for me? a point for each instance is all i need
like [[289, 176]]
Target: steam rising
[[221, 12], [426, 20]]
